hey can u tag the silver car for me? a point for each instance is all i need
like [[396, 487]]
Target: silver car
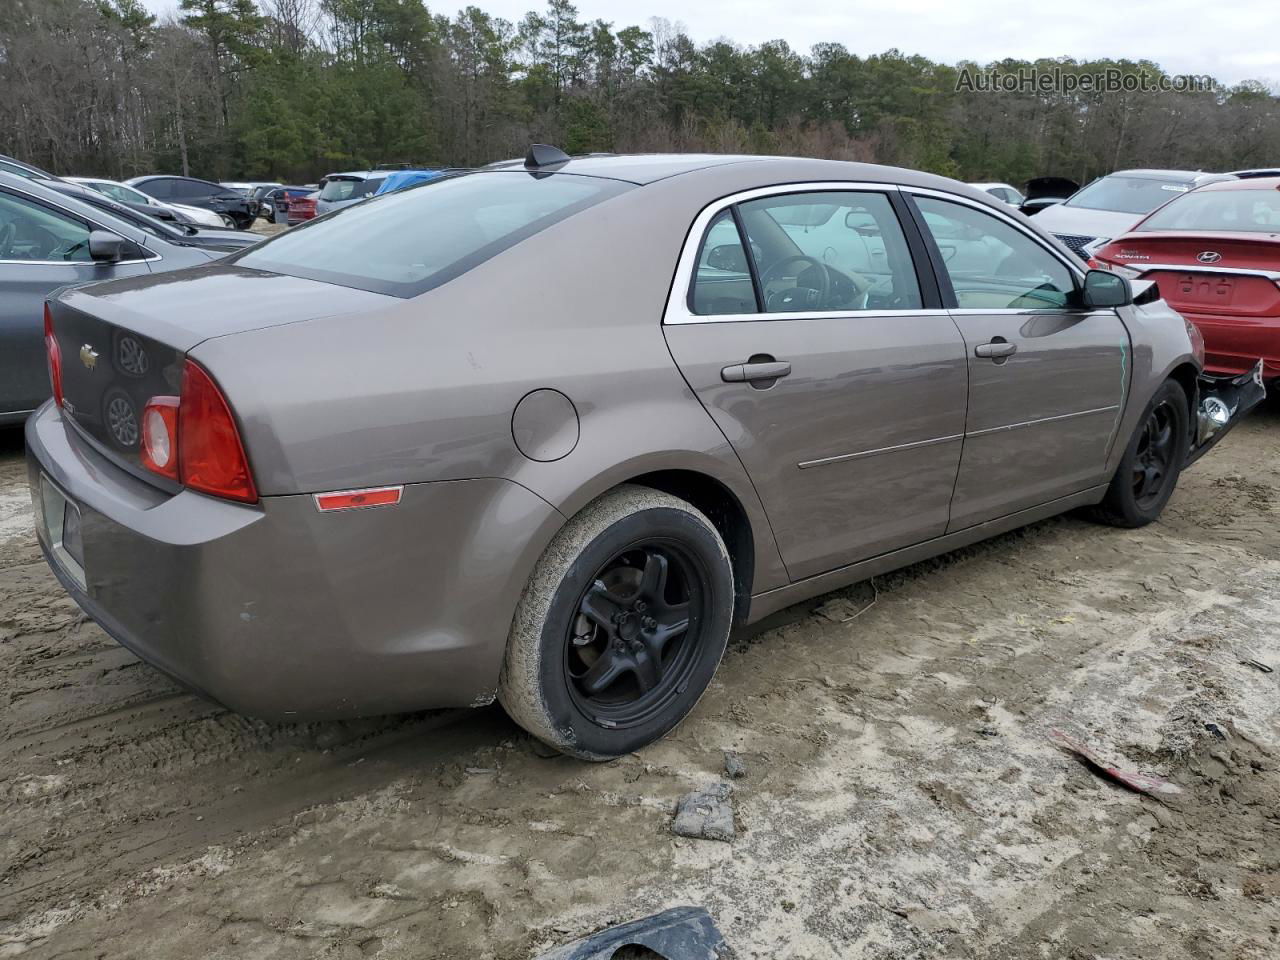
[[1110, 206], [548, 431], [339, 190]]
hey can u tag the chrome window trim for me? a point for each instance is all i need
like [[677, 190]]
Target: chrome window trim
[[1029, 312], [677, 310], [92, 263], [1143, 268], [1075, 268]]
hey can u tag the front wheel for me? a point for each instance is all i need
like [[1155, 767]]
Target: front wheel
[[621, 627], [1152, 461]]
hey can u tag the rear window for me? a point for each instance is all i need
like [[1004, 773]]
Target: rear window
[[346, 189], [1127, 194], [408, 242], [1247, 211]]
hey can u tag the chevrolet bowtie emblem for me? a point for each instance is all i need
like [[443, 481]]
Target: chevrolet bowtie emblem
[[88, 356]]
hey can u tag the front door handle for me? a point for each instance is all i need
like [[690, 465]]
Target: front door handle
[[755, 371], [999, 349]]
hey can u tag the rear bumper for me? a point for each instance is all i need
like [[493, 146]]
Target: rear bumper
[[281, 612], [1233, 344]]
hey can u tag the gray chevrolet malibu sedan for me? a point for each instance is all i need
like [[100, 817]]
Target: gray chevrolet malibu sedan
[[547, 431]]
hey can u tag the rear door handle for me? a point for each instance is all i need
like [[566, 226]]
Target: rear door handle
[[998, 349], [752, 372]]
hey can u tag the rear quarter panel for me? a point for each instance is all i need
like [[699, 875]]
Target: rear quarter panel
[[425, 389]]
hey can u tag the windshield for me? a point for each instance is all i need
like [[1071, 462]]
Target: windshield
[[1127, 194], [119, 192], [408, 242], [1248, 211]]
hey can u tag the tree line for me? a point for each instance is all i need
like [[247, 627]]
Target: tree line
[[293, 89]]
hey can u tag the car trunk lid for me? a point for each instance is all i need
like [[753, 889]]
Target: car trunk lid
[[124, 342], [1220, 274]]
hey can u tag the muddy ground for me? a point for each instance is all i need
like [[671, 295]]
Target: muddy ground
[[901, 797]]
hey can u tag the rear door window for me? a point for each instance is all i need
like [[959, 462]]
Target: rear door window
[[722, 279], [161, 189], [408, 242], [343, 189], [195, 190], [830, 251]]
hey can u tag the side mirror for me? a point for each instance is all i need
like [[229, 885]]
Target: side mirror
[[105, 246], [1103, 289], [728, 256]]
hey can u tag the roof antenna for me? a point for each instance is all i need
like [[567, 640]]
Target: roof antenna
[[544, 155]]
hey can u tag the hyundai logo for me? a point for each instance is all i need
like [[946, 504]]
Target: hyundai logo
[[1209, 256]]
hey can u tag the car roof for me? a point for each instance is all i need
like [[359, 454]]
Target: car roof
[[360, 174], [993, 183], [172, 176], [1184, 176], [638, 168], [1248, 183]]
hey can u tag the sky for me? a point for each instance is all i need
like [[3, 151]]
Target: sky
[[1232, 41]]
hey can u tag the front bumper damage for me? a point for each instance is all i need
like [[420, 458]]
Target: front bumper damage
[[1221, 403]]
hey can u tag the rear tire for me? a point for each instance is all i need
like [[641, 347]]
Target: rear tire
[[1152, 461], [621, 626]]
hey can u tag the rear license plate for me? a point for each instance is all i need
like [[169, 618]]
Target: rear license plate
[[1206, 290], [59, 523]]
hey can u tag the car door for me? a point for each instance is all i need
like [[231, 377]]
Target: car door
[[195, 193], [41, 248], [828, 364], [1047, 377]]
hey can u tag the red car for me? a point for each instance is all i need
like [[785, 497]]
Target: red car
[[1215, 253], [303, 208]]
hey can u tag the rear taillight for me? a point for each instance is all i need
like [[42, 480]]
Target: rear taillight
[[160, 436], [211, 457], [55, 356], [194, 440]]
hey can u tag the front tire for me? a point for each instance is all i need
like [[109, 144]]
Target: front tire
[[621, 626], [1152, 462]]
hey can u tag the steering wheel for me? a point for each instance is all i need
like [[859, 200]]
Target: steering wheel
[[8, 233], [810, 300]]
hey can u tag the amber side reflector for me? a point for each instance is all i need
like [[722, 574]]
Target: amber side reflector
[[358, 499]]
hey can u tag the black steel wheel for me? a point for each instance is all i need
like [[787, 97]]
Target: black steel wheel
[[1149, 468], [1154, 463], [621, 627], [633, 643]]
